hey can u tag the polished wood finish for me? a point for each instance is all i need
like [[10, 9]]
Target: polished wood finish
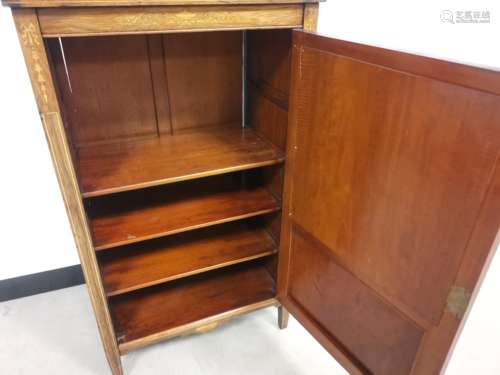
[[182, 255], [129, 165], [199, 326], [149, 312], [106, 3], [481, 247], [104, 99], [268, 83], [334, 347], [140, 215], [36, 61], [443, 71], [381, 198], [197, 64], [134, 20], [160, 85], [162, 91], [268, 77], [269, 63], [374, 332]]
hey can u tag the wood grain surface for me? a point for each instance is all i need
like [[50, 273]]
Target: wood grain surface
[[107, 3], [204, 78], [103, 98], [389, 167], [135, 20], [157, 261], [134, 164], [140, 215], [150, 311]]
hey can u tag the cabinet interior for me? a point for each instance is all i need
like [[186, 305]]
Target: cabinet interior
[[178, 142]]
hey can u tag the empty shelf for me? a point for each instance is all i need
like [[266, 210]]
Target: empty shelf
[[140, 265], [148, 315], [132, 164], [152, 213]]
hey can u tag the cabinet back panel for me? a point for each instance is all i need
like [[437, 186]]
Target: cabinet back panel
[[204, 78], [106, 87], [120, 87]]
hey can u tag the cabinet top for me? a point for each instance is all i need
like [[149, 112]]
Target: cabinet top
[[102, 3]]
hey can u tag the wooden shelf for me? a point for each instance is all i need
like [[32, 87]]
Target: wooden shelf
[[148, 315], [157, 212], [140, 265], [128, 165]]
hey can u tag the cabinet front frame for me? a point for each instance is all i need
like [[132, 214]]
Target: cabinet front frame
[[151, 20]]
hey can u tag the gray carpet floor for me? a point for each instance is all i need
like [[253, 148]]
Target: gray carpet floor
[[55, 333]]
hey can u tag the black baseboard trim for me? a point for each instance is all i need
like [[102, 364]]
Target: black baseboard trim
[[24, 286]]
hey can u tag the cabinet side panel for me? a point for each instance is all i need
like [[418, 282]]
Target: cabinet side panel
[[268, 76], [43, 87], [268, 83]]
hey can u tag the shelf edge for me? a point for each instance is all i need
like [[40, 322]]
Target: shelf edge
[[170, 180]]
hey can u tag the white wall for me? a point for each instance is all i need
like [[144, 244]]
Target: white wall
[[35, 231], [415, 26]]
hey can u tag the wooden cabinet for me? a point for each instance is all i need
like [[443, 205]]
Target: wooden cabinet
[[210, 174]]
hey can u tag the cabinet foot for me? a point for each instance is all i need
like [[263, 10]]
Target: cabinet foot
[[282, 317], [115, 364]]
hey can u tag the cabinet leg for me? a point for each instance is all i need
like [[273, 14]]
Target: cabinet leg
[[115, 364], [282, 317]]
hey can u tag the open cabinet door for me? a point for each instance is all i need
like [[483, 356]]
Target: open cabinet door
[[392, 201]]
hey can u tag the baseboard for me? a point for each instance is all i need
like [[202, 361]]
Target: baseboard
[[28, 285]]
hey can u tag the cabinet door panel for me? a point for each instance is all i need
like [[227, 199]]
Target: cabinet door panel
[[369, 326], [391, 158]]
